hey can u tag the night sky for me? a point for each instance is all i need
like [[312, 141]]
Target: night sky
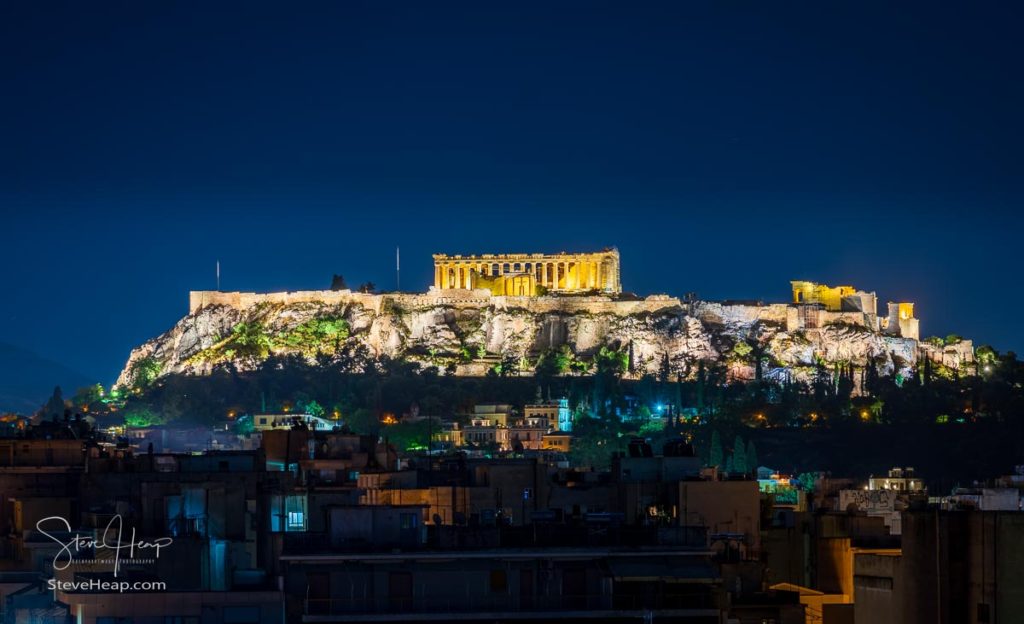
[[724, 148]]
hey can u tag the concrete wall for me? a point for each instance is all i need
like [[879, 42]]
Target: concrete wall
[[723, 507], [876, 587], [33, 452]]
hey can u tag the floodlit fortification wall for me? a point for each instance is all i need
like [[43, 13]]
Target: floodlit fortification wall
[[458, 298]]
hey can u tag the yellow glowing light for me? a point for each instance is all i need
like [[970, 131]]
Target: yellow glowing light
[[864, 415]]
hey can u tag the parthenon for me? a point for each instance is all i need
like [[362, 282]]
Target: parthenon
[[530, 274]]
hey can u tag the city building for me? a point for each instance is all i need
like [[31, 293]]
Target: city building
[[556, 414], [494, 414], [526, 437], [266, 422], [953, 566], [899, 479], [449, 435], [557, 441]]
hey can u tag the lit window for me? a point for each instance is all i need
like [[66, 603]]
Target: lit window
[[290, 512]]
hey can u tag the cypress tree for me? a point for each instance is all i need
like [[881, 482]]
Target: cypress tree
[[739, 456], [715, 458]]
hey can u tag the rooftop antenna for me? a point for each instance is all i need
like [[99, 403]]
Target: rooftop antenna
[[218, 275], [398, 270]]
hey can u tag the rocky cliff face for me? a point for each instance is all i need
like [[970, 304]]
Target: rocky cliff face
[[468, 336]]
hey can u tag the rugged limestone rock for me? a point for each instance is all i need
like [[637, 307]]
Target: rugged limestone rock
[[469, 334]]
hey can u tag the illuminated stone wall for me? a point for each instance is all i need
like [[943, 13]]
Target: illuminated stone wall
[[563, 272], [834, 298], [514, 285], [901, 321], [480, 298]]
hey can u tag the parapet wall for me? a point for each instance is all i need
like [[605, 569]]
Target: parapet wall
[[738, 314], [459, 298], [242, 300]]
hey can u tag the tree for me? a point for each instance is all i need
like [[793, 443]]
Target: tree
[[715, 458], [338, 283], [592, 443], [87, 395], [313, 409], [664, 370], [142, 416], [250, 341], [508, 366], [244, 425], [410, 436], [144, 372], [752, 461], [611, 362], [364, 421], [547, 366], [54, 407], [739, 456], [367, 287]]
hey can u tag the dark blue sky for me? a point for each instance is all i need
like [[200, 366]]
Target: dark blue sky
[[725, 148]]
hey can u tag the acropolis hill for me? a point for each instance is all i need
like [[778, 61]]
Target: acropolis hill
[[486, 309]]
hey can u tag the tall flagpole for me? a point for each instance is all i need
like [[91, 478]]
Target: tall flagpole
[[398, 270], [218, 275]]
